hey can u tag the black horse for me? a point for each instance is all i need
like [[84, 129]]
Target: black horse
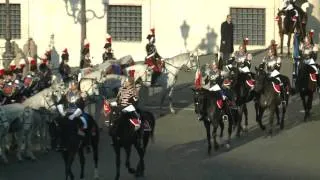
[[268, 96], [242, 87], [213, 110], [306, 85], [123, 134], [75, 143], [287, 26]]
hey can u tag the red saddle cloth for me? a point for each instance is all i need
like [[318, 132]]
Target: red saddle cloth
[[276, 87], [313, 77], [155, 68]]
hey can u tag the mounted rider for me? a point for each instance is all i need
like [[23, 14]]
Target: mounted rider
[[127, 99], [48, 55], [243, 58], [309, 55], [85, 59], [108, 51], [153, 59], [71, 105], [272, 63], [44, 73], [64, 68]]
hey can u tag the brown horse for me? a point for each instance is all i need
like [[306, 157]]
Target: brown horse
[[288, 26]]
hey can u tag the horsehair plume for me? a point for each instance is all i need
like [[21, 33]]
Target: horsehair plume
[[304, 6]]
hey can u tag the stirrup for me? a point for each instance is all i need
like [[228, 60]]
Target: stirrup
[[225, 118]]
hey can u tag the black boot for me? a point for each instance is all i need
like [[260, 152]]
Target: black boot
[[154, 78]]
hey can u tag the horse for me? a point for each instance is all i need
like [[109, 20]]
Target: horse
[[14, 119], [268, 96], [306, 86], [242, 85], [287, 26], [75, 142], [168, 77], [213, 111], [122, 129]]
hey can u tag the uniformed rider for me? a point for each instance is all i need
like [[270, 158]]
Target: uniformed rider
[[153, 57], [71, 105], [108, 51], [85, 59], [64, 68], [45, 73], [127, 98]]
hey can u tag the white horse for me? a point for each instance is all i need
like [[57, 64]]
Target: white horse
[[168, 77], [16, 118]]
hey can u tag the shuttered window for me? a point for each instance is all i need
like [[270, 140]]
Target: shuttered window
[[124, 23], [249, 22], [15, 20]]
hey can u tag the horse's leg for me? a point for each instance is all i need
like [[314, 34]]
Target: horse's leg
[[20, 136], [70, 160], [230, 125], [28, 144], [207, 125], [284, 109], [116, 147], [140, 165], [82, 161], [3, 148], [245, 112], [221, 124], [261, 112], [214, 132], [302, 95], [146, 136], [170, 100], [289, 43], [95, 144], [309, 103], [128, 155], [65, 160], [240, 111], [163, 97], [281, 42], [278, 115], [271, 118]]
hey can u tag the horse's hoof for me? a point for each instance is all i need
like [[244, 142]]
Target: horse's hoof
[[131, 170], [173, 111], [161, 114], [117, 177], [209, 150], [139, 174], [228, 146]]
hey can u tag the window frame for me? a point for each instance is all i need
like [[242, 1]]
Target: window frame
[[15, 21], [118, 29], [247, 23]]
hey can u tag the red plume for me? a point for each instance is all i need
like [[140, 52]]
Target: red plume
[[131, 73]]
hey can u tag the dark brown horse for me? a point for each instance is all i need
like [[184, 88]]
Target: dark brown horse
[[288, 26]]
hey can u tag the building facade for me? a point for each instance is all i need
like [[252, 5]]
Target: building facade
[[180, 25]]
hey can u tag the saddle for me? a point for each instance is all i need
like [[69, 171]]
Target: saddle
[[156, 65]]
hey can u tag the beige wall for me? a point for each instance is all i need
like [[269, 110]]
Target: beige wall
[[41, 18]]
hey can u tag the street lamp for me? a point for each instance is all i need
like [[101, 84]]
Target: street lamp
[[8, 55]]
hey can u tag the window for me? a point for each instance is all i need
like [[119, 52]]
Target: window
[[124, 23], [15, 21], [249, 22]]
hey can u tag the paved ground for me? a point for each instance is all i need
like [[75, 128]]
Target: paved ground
[[179, 151]]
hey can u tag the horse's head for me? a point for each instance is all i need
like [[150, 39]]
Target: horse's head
[[89, 86], [199, 99], [191, 63], [260, 79]]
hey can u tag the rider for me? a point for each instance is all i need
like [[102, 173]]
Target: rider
[[85, 60], [48, 54], [45, 73], [243, 58], [108, 54], [128, 95], [64, 68], [273, 64], [153, 57], [309, 54], [72, 105]]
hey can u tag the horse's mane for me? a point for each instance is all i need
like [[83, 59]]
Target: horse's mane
[[34, 100]]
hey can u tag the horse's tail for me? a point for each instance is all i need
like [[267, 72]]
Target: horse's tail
[[94, 129]]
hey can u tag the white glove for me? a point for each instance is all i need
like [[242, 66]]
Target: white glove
[[60, 109], [71, 117]]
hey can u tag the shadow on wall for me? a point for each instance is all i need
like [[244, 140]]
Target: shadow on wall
[[184, 29], [208, 44], [75, 9]]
